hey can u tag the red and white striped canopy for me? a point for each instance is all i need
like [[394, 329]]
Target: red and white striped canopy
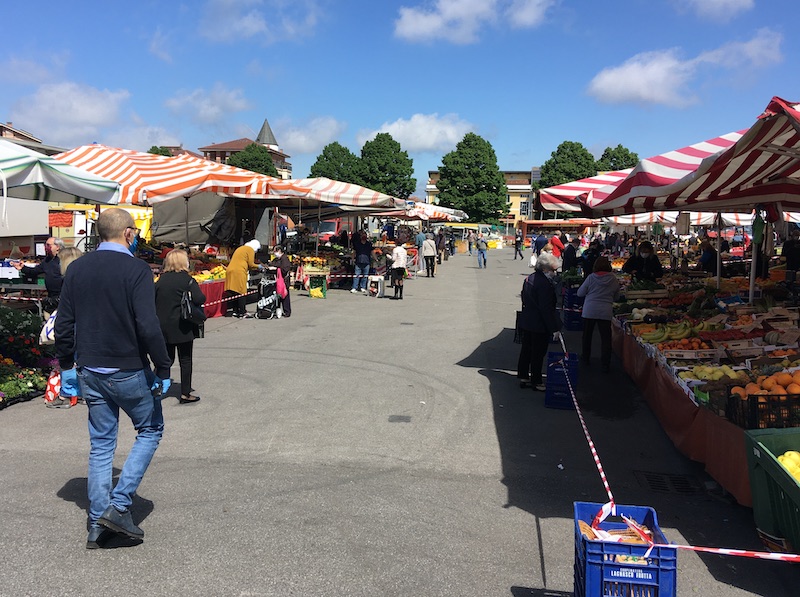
[[564, 197], [145, 178], [761, 166], [262, 186], [346, 196], [698, 218]]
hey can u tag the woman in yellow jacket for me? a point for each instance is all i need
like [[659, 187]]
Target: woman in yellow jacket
[[242, 261]]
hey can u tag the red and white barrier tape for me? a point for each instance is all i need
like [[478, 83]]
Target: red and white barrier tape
[[19, 298], [228, 298], [610, 508]]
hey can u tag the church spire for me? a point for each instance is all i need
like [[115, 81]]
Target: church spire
[[266, 136]]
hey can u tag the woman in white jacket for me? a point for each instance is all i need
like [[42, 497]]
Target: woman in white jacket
[[600, 290]]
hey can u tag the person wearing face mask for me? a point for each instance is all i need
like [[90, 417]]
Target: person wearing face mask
[[242, 261], [600, 290], [281, 262], [51, 269], [644, 265], [107, 327], [538, 321]]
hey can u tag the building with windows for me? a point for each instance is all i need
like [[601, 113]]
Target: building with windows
[[220, 152], [519, 197]]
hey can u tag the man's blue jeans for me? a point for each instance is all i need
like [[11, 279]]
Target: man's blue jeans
[[481, 257], [360, 277], [105, 395]]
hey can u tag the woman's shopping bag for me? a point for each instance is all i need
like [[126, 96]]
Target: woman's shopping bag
[[280, 285]]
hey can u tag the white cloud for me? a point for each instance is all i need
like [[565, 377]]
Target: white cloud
[[459, 21], [22, 70], [68, 113], [423, 132], [718, 10], [158, 46], [527, 13], [140, 138], [309, 138], [662, 77], [270, 20], [208, 107]]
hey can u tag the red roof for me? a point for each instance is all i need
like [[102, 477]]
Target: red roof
[[235, 145]]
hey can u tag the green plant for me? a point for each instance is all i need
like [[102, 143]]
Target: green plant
[[22, 382], [19, 336]]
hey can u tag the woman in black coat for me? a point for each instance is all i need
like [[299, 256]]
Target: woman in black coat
[[281, 262], [178, 333], [539, 321]]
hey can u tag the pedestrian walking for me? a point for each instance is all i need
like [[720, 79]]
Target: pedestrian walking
[[519, 241], [107, 326], [429, 255], [179, 334], [481, 246], [399, 262], [470, 241]]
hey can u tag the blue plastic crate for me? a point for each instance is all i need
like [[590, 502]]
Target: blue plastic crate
[[571, 298], [573, 321], [557, 394], [604, 569]]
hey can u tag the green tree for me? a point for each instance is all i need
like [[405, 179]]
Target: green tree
[[159, 150], [471, 181], [616, 158], [338, 163], [570, 161], [387, 168], [256, 158]]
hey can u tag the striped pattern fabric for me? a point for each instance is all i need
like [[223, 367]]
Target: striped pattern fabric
[[146, 179], [347, 196], [29, 174], [436, 213], [564, 197], [759, 165], [698, 218]]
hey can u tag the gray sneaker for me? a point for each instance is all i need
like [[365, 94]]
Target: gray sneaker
[[59, 403], [120, 522]]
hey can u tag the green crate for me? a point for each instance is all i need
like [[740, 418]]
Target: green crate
[[318, 282], [776, 494]]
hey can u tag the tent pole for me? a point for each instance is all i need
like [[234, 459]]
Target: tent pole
[[719, 254], [319, 226], [186, 203], [754, 255]]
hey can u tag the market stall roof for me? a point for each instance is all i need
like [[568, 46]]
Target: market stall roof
[[564, 197], [343, 196], [762, 166], [700, 218], [561, 223], [145, 178], [428, 212], [29, 174]]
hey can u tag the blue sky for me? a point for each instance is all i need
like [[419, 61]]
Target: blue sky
[[653, 75]]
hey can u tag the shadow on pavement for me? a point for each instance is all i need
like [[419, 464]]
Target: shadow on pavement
[[547, 464], [526, 592], [75, 491]]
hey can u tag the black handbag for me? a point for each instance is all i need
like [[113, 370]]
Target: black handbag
[[189, 311]]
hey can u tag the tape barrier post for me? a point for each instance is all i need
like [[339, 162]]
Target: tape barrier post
[[609, 507]]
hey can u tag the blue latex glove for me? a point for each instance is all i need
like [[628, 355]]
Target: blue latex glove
[[160, 387], [69, 383]]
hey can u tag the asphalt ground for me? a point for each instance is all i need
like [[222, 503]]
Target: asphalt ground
[[365, 447]]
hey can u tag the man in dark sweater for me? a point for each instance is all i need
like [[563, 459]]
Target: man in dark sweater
[[106, 328]]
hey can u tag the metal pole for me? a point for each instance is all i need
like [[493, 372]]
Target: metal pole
[[186, 203], [319, 227], [719, 253]]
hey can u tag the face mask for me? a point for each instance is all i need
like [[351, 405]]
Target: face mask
[[550, 275], [134, 245]]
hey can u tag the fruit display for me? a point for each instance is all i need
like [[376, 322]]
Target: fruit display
[[778, 384], [683, 344], [715, 373], [790, 460], [215, 273], [742, 320]]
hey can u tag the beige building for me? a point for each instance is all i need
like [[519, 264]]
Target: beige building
[[519, 199]]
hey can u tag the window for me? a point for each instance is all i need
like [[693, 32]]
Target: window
[[523, 208]]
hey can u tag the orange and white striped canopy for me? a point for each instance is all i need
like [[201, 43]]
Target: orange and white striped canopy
[[146, 178]]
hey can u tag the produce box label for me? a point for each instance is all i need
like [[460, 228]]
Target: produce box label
[[694, 354]]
